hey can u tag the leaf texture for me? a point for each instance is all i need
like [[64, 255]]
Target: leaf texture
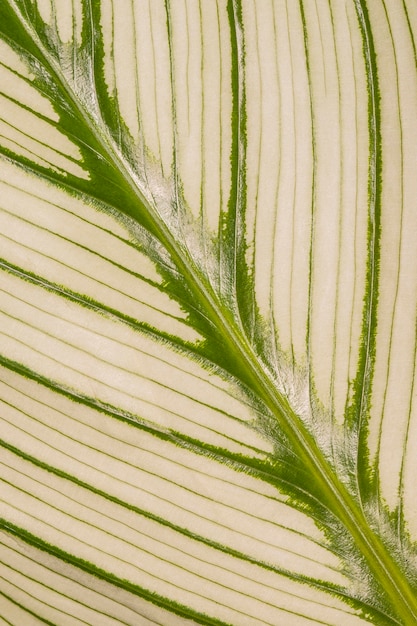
[[208, 312]]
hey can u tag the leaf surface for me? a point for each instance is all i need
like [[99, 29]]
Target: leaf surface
[[208, 311]]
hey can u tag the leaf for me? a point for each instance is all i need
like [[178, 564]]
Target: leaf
[[208, 312]]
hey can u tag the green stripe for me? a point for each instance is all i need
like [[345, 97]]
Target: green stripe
[[52, 573], [358, 412], [37, 600], [101, 574], [41, 619], [108, 312], [335, 589]]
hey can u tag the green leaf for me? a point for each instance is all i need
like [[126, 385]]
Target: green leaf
[[208, 312]]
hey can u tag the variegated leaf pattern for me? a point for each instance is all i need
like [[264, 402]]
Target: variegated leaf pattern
[[208, 296]]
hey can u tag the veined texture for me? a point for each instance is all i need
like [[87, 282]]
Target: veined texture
[[208, 305]]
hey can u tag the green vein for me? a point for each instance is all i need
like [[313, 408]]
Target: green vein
[[32, 613], [99, 573], [359, 412]]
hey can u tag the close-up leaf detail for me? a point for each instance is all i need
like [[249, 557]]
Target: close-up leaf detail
[[208, 312]]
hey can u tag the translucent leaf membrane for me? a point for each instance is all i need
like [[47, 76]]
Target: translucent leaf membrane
[[35, 136], [279, 198], [56, 236], [340, 207], [95, 358], [38, 586], [137, 72], [97, 488], [393, 422], [177, 140], [203, 105], [64, 18], [92, 353], [308, 119], [311, 122], [178, 59]]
